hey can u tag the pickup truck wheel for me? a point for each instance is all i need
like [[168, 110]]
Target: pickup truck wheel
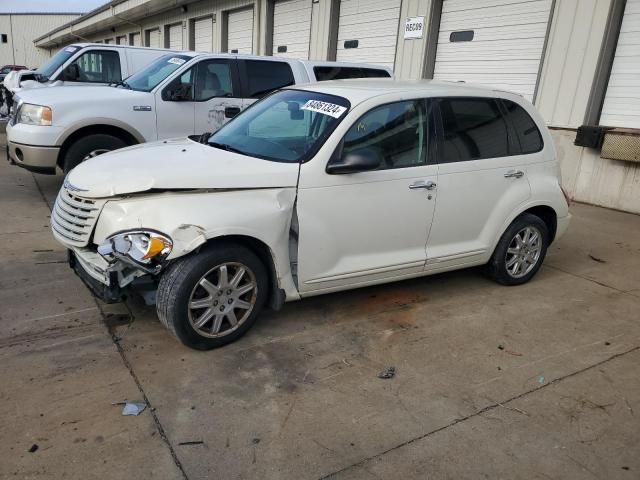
[[211, 299], [88, 147], [520, 251]]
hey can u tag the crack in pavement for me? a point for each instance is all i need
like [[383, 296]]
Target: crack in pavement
[[488, 408], [602, 284]]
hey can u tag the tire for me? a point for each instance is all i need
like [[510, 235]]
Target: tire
[[181, 284], [502, 265], [84, 147]]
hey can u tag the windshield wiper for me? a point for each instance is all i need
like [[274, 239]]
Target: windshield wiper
[[41, 78], [228, 148], [121, 83]]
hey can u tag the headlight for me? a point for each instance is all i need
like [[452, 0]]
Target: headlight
[[34, 114], [142, 246]]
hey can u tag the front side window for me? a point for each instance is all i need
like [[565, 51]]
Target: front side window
[[49, 67], [181, 87], [214, 79], [288, 126], [148, 78], [98, 66], [527, 136], [396, 130], [264, 77], [472, 129]]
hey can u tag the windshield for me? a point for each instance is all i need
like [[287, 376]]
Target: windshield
[[49, 67], [5, 70], [148, 78], [288, 126]]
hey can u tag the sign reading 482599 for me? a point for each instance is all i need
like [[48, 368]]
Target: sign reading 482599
[[413, 27]]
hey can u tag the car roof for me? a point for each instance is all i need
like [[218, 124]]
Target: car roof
[[361, 89]]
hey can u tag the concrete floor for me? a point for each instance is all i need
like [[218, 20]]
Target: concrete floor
[[537, 381]]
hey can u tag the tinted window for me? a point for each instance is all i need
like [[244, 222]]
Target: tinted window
[[473, 129], [264, 77], [100, 66], [527, 136], [213, 80], [396, 130], [338, 73]]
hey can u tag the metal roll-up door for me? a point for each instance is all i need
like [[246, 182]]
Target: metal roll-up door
[[621, 106], [292, 28], [135, 40], [203, 34], [121, 39], [368, 31], [175, 36], [240, 31], [153, 38], [493, 42]]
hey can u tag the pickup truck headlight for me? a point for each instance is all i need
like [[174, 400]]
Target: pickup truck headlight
[[35, 114], [143, 247]]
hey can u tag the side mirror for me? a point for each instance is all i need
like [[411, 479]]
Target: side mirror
[[361, 160], [179, 93], [71, 73]]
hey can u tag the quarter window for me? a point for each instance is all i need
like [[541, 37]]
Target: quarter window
[[527, 135], [397, 130], [264, 77], [472, 129], [338, 73], [213, 80], [99, 66]]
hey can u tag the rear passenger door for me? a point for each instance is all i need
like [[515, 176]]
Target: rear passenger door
[[217, 93], [482, 178]]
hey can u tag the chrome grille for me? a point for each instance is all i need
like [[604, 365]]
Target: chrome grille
[[73, 218]]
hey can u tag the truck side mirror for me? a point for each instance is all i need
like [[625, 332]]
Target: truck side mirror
[[178, 93], [71, 73]]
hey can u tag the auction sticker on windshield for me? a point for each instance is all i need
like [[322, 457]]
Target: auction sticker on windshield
[[325, 108], [177, 61]]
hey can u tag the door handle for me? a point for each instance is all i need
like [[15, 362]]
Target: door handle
[[428, 185], [514, 174], [230, 112]]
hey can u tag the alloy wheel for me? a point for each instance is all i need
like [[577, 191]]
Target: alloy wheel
[[524, 252]]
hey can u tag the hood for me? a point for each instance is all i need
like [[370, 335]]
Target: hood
[[173, 165], [56, 94]]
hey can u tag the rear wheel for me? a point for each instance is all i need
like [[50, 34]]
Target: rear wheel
[[89, 147], [213, 298], [520, 251]]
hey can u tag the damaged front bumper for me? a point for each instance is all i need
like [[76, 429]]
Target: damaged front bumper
[[107, 281]]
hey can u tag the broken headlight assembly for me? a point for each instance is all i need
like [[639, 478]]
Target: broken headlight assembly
[[141, 248]]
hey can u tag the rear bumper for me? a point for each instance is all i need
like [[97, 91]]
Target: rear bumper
[[562, 225]]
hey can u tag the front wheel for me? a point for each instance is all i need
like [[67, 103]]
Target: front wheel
[[213, 298], [89, 147], [520, 251]]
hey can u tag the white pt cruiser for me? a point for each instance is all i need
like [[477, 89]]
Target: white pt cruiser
[[312, 190]]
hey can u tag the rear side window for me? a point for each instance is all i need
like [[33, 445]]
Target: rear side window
[[339, 73], [472, 129], [263, 77], [527, 136]]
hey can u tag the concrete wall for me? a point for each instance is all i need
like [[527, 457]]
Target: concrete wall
[[21, 30]]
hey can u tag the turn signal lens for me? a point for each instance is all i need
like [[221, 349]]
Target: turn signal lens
[[156, 246]]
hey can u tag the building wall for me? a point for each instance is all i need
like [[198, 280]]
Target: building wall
[[21, 30], [410, 54]]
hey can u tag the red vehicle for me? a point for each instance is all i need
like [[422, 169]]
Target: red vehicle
[[10, 68]]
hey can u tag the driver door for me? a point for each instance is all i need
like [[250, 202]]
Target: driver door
[[371, 226], [175, 106], [217, 94]]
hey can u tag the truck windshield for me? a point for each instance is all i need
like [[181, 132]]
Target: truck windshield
[[49, 67], [148, 78], [287, 126]]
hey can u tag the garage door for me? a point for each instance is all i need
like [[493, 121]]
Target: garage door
[[292, 28], [135, 39], [492, 42], [153, 38], [175, 36], [121, 39], [622, 102], [240, 31], [203, 34], [368, 31]]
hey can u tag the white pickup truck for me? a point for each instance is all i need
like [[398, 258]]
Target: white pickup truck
[[177, 95]]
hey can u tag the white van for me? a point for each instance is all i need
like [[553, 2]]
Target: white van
[[178, 94], [317, 189]]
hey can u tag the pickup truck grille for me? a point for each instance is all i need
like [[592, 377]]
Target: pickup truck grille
[[73, 218]]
